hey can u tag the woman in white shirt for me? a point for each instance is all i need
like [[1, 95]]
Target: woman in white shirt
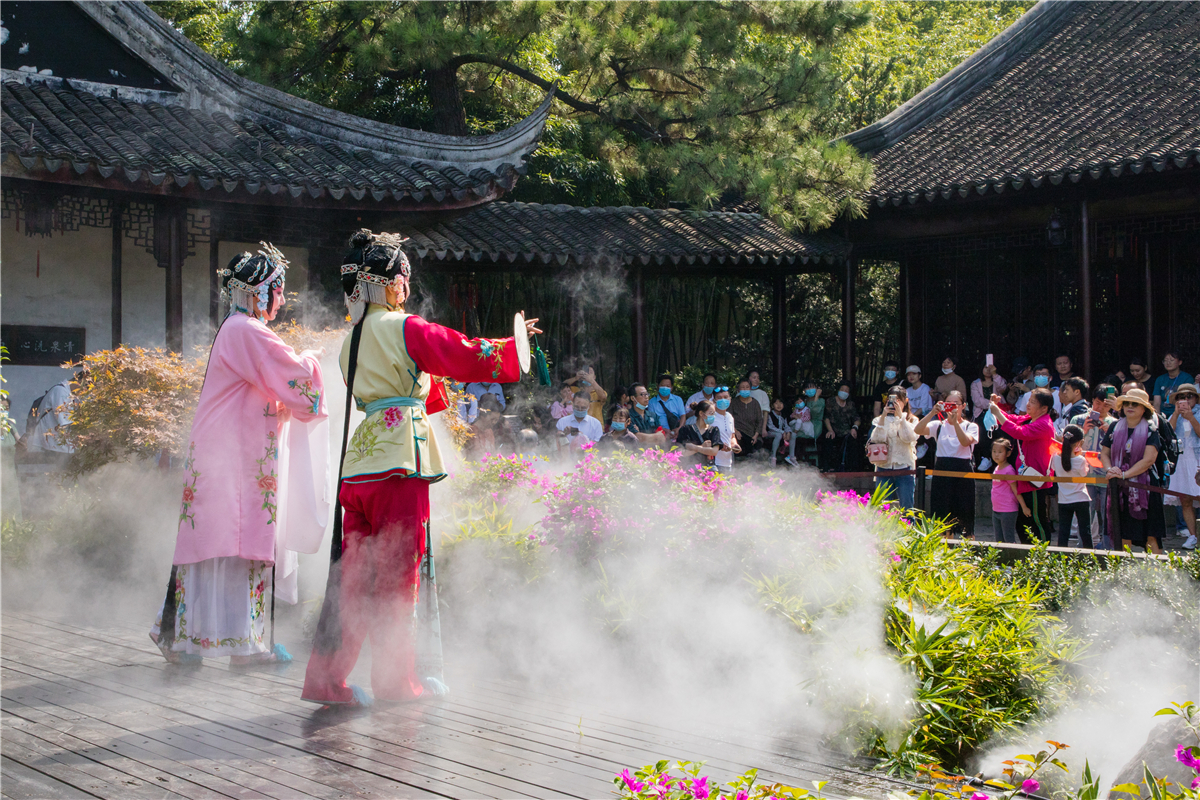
[[956, 438], [723, 462], [894, 428], [1073, 498]]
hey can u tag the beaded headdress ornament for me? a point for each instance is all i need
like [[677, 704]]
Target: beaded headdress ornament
[[376, 271], [268, 274]]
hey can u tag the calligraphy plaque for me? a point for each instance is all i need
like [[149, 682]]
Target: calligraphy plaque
[[42, 345]]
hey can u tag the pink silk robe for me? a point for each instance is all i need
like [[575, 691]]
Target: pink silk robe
[[231, 492]]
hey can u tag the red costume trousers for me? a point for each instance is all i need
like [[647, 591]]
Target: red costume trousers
[[382, 546]]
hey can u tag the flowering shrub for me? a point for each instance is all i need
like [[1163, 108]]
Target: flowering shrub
[[656, 781]]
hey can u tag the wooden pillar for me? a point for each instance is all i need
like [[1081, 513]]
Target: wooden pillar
[[214, 280], [1150, 310], [906, 313], [1085, 287], [779, 330], [848, 319], [169, 244], [118, 236], [639, 326]]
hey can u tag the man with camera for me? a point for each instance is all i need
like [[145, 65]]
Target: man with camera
[[579, 427]]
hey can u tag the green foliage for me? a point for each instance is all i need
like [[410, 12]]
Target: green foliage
[[986, 654], [907, 45], [662, 101]]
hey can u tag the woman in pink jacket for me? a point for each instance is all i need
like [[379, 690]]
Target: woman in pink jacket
[[1033, 434], [231, 515]]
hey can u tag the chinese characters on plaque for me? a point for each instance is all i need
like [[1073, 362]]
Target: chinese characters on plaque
[[42, 345]]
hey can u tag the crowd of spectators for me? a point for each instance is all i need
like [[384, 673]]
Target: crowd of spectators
[[1036, 420]]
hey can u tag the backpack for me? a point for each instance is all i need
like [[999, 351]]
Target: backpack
[[1168, 455]]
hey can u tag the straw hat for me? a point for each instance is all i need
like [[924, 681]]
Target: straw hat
[[1185, 388], [1136, 396]]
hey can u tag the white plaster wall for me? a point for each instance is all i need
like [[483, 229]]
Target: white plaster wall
[[74, 288]]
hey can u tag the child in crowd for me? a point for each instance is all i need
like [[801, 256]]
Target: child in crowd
[[562, 406], [1073, 498], [778, 429], [1005, 497], [802, 428]]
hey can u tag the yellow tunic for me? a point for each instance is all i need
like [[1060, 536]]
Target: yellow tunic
[[398, 382]]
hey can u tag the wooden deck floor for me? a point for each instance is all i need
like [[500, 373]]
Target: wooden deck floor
[[91, 712]]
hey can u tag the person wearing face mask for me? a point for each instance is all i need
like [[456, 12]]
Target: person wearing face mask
[[580, 428], [800, 421], [949, 381], [231, 544], [891, 377], [839, 446], [702, 437], [1041, 380], [708, 386], [723, 422], [747, 418], [584, 381], [956, 439], [618, 436], [667, 405]]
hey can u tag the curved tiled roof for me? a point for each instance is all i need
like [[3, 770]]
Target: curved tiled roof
[[534, 233], [1071, 90], [215, 130], [148, 141]]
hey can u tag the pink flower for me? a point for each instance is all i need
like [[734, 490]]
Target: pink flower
[[631, 782], [1030, 786], [1184, 755], [980, 796], [896, 557], [700, 789], [744, 795], [392, 417]]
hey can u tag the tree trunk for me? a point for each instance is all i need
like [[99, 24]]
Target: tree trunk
[[448, 114]]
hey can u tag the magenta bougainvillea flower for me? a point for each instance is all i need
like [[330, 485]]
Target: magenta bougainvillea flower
[[633, 783], [1030, 786]]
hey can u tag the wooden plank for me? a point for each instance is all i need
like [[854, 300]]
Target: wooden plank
[[25, 783], [445, 780], [489, 729]]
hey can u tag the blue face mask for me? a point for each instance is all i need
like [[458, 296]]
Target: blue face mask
[[843, 395], [664, 391], [1041, 381], [580, 414], [723, 403], [618, 426], [810, 392], [800, 406], [710, 418], [890, 374], [707, 389], [642, 406], [743, 392]]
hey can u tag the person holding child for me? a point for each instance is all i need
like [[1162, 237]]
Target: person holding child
[[701, 436]]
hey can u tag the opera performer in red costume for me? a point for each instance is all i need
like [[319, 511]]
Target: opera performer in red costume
[[394, 364], [255, 479]]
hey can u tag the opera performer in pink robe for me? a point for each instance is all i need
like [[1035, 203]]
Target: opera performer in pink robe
[[395, 364], [255, 479]]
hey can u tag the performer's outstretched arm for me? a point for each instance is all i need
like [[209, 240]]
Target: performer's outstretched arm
[[445, 352]]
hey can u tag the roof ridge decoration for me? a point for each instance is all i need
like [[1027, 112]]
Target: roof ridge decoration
[[209, 86]]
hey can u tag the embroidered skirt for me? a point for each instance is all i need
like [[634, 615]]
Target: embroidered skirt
[[220, 608]]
